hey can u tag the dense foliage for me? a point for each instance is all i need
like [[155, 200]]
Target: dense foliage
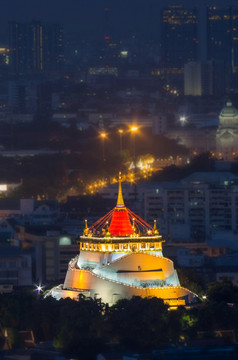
[[84, 327]]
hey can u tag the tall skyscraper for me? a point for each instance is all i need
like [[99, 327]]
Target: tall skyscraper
[[222, 36], [219, 45], [35, 47], [179, 36], [204, 78]]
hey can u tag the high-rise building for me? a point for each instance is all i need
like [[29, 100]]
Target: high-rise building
[[199, 78], [35, 47], [222, 36], [179, 36]]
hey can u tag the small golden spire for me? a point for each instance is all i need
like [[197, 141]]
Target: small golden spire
[[85, 231], [155, 230], [133, 227], [107, 234], [120, 201]]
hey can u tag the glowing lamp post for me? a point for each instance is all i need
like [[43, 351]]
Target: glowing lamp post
[[133, 130], [103, 136]]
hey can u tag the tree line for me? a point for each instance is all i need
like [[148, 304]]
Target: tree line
[[83, 328]]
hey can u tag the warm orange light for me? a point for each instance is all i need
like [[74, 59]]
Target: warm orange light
[[120, 131], [103, 135], [134, 128]]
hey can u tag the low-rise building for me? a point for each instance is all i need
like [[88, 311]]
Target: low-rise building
[[51, 249], [30, 210], [15, 267]]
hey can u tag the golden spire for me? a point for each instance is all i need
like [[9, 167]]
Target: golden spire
[[133, 226], [107, 234], [120, 201], [155, 230], [85, 232]]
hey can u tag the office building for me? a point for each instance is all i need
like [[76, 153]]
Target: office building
[[195, 208], [222, 36], [179, 36], [35, 47]]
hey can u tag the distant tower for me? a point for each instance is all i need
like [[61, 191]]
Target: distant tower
[[35, 47], [222, 36], [219, 34], [179, 41]]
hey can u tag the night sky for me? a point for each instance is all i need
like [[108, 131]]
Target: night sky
[[86, 19]]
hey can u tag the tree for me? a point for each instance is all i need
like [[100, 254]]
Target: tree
[[138, 323], [223, 291]]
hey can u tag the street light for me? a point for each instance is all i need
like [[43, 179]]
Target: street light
[[133, 130], [120, 131], [103, 135]]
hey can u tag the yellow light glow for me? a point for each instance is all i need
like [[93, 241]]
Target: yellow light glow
[[120, 131], [134, 128], [103, 135], [3, 187]]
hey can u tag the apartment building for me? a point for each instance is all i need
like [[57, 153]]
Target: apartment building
[[195, 208]]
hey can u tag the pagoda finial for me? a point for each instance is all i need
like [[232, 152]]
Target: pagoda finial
[[155, 230], [85, 232], [107, 233], [133, 226], [120, 201]]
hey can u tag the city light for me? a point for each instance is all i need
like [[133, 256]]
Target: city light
[[103, 135], [134, 129], [182, 120], [39, 288]]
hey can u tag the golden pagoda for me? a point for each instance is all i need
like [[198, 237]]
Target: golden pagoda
[[121, 256]]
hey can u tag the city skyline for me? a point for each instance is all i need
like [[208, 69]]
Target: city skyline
[[87, 19]]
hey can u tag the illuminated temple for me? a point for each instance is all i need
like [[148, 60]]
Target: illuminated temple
[[121, 256]]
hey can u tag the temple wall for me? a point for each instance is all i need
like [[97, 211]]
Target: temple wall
[[95, 259], [111, 291], [132, 277], [141, 262]]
